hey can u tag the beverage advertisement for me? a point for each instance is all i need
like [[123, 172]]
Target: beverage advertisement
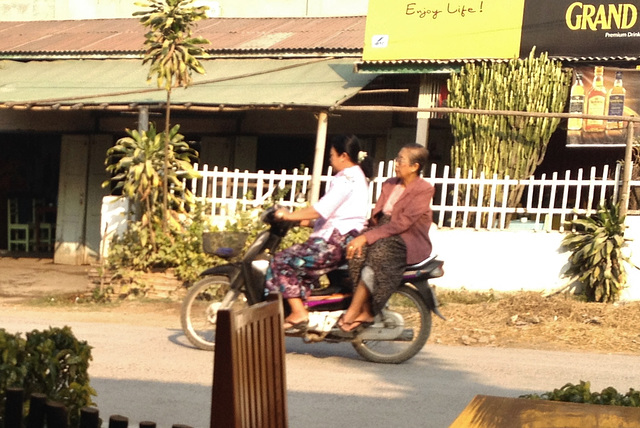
[[602, 91], [571, 28], [505, 29]]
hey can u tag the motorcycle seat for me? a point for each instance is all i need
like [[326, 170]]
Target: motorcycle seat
[[430, 266], [422, 264]]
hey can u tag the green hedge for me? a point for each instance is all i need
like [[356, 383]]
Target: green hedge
[[52, 362], [581, 393]]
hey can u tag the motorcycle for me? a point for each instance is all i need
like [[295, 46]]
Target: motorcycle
[[398, 333]]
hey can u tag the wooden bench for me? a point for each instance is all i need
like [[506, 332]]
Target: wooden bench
[[249, 376], [486, 411]]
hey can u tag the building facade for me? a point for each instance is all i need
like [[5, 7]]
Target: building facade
[[46, 10]]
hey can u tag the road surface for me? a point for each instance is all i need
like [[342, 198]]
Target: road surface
[[147, 371]]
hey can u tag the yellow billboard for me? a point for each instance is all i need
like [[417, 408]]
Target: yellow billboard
[[441, 29]]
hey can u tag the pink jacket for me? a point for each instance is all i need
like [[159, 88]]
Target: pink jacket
[[411, 218]]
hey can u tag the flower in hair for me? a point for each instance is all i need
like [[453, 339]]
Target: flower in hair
[[362, 156]]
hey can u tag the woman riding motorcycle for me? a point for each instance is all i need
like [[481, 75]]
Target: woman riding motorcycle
[[339, 216]]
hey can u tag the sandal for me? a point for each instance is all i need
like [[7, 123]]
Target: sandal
[[358, 326], [295, 327]]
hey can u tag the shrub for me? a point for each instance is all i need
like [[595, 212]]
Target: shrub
[[52, 362], [597, 259], [581, 393], [180, 249], [13, 370]]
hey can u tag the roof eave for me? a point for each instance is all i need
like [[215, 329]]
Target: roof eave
[[213, 54]]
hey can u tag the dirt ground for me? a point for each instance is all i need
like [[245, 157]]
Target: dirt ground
[[523, 319], [530, 320]]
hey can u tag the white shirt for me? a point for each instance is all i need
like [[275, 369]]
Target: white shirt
[[344, 205]]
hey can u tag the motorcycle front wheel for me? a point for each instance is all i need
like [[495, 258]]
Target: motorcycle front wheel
[[199, 312], [407, 303]]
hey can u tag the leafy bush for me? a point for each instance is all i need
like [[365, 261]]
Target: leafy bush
[[13, 370], [248, 221], [181, 250], [52, 362], [597, 259], [581, 393]]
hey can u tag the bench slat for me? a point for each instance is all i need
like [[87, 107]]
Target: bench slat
[[249, 385]]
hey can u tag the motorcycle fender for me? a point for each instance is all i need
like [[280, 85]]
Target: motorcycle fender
[[230, 271], [429, 297]]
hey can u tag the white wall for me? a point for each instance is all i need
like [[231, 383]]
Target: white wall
[[44, 10], [40, 10], [633, 274], [263, 8], [505, 261]]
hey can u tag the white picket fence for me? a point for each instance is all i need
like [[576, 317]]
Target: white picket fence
[[547, 202]]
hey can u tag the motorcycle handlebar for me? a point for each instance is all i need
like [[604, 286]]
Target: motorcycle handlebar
[[268, 216]]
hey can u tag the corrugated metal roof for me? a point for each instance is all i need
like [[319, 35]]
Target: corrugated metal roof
[[229, 37], [126, 36], [228, 82]]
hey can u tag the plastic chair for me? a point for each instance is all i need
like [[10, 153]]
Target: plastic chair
[[20, 224]]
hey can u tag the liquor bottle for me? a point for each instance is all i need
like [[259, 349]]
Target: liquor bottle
[[615, 102], [576, 103], [596, 100]]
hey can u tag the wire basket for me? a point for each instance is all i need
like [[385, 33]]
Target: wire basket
[[224, 244]]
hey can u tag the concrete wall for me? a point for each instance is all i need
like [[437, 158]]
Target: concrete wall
[[43, 10], [633, 279], [505, 261]]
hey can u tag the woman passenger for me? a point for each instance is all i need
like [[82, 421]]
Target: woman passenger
[[398, 236]]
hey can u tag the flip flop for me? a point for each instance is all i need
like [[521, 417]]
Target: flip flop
[[296, 327], [359, 326]]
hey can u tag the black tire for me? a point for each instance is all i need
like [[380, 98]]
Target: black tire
[[407, 302], [200, 307]]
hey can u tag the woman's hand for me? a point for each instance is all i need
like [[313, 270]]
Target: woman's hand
[[305, 216], [281, 213], [354, 248]]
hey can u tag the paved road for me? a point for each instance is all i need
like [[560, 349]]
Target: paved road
[[151, 373]]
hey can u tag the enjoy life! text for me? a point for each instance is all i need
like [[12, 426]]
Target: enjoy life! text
[[452, 9]]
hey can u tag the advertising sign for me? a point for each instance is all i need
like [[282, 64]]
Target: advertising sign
[[499, 29], [572, 28], [441, 29], [602, 91]]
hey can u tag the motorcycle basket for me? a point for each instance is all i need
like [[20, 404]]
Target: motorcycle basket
[[224, 244]]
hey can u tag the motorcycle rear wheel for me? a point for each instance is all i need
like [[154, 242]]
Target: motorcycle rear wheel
[[407, 302], [200, 307]]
